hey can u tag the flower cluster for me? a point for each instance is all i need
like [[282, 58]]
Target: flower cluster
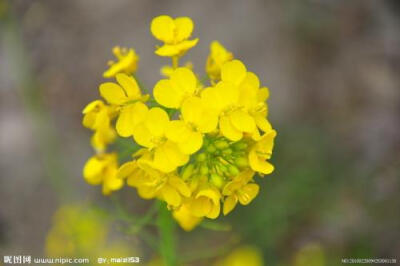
[[202, 140]]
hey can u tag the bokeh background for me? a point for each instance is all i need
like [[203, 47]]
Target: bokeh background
[[332, 67]]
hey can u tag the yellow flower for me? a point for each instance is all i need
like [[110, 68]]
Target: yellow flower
[[185, 218], [151, 183], [237, 99], [97, 116], [206, 203], [260, 152], [127, 62], [174, 33], [173, 91], [239, 190], [242, 256], [196, 120], [218, 56], [102, 169], [128, 98], [101, 138], [151, 133]]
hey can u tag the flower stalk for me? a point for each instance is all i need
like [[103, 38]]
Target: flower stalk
[[166, 227]]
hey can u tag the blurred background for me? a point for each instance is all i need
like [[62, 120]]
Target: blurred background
[[333, 71]]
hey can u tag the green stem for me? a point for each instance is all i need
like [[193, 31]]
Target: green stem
[[175, 62], [166, 226]]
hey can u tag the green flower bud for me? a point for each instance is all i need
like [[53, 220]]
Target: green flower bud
[[201, 157], [240, 145], [211, 148], [227, 151], [233, 170], [221, 144], [217, 180], [187, 171], [241, 162], [204, 169]]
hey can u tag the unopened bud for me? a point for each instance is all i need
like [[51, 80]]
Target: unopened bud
[[233, 170], [221, 144], [204, 170], [201, 157], [217, 180], [187, 172], [211, 148], [227, 151], [241, 162], [240, 145]]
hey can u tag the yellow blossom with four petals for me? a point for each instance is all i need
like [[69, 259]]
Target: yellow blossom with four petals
[[174, 33], [127, 62]]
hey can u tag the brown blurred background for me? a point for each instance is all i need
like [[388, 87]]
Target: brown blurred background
[[333, 71]]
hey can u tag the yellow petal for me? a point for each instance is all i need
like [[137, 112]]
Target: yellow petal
[[113, 93], [231, 187], [210, 193], [130, 116], [173, 153], [215, 211], [233, 71], [249, 89], [130, 86], [184, 81], [259, 164], [156, 121], [178, 49], [227, 94], [126, 169], [168, 157], [192, 144], [263, 94], [168, 50], [170, 93], [185, 219], [229, 204], [113, 183], [177, 131], [92, 106], [228, 130], [162, 28], [242, 121], [166, 95], [147, 192], [192, 110], [92, 171], [248, 193], [263, 123], [186, 45], [179, 185], [184, 28], [200, 207], [142, 136], [208, 122], [171, 196]]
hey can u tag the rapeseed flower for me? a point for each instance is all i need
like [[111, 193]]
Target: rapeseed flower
[[127, 62], [128, 99], [102, 169], [200, 145], [174, 33], [97, 116], [218, 56]]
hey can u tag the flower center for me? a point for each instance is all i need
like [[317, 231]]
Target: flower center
[[219, 160]]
